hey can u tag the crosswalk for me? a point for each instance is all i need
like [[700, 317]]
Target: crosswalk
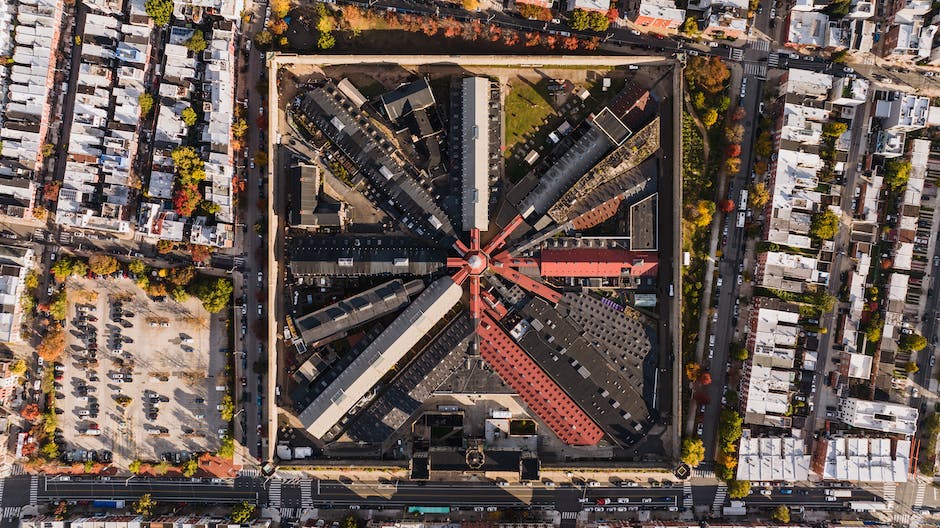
[[737, 54], [290, 513], [306, 493], [569, 515], [753, 68], [773, 60], [700, 472], [687, 502], [33, 490], [919, 495], [760, 45], [12, 512], [889, 493], [720, 495], [274, 494], [250, 473]]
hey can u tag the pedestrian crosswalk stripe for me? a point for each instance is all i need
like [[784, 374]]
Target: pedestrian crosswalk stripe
[[773, 60], [760, 45], [12, 512], [252, 473], [33, 490], [274, 494], [687, 501], [737, 54], [919, 496], [569, 515], [750, 68], [720, 495], [306, 493]]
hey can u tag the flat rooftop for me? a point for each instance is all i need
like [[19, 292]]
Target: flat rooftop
[[337, 318], [352, 256]]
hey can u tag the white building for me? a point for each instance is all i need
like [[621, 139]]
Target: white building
[[807, 29], [886, 417], [772, 459], [15, 263], [861, 459]]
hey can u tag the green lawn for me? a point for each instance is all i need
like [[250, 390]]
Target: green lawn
[[526, 107]]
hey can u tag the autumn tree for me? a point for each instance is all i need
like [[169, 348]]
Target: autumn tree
[[242, 512], [701, 213], [30, 412], [50, 191], [759, 195], [145, 100], [199, 253], [781, 514], [733, 165], [280, 8], [579, 20], [912, 343], [53, 344], [708, 74], [145, 505], [263, 37], [103, 264], [709, 117], [693, 451], [164, 246], [734, 133], [470, 5], [738, 489], [535, 12], [764, 144], [189, 116], [692, 370], [733, 150], [190, 467], [705, 378]]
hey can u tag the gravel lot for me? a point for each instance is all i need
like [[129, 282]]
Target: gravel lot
[[171, 357]]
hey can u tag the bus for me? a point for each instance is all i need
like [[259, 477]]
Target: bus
[[742, 205]]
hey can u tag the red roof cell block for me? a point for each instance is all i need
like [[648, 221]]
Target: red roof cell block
[[539, 392], [597, 262]]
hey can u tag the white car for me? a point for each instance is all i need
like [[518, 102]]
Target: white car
[[593, 484], [712, 44], [260, 278]]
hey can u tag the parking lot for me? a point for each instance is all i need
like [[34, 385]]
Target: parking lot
[[140, 378]]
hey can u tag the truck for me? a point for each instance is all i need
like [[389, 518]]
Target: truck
[[741, 218], [839, 492], [114, 504]]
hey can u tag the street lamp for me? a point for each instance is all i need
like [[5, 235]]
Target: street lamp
[[129, 479]]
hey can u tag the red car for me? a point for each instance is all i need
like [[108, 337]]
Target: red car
[[603, 501]]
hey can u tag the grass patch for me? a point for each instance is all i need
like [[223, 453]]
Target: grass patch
[[526, 107]]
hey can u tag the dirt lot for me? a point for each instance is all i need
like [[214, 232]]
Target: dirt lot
[[169, 362]]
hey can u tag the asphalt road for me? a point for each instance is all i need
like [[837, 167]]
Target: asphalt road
[[732, 247], [326, 494], [255, 256]]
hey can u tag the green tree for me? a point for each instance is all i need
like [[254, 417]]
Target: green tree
[[739, 353], [189, 116], [159, 10], [32, 280], [242, 513], [598, 21], [228, 408], [326, 41], [145, 100], [123, 401], [62, 268], [350, 521], [580, 20], [145, 505], [897, 172], [839, 56], [781, 514], [263, 37], [824, 225], [18, 368], [693, 451], [197, 43], [729, 427], [823, 300], [134, 466], [190, 467], [162, 468], [874, 328], [137, 267], [214, 293], [226, 448], [912, 342], [58, 306], [50, 450], [834, 129], [738, 489]]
